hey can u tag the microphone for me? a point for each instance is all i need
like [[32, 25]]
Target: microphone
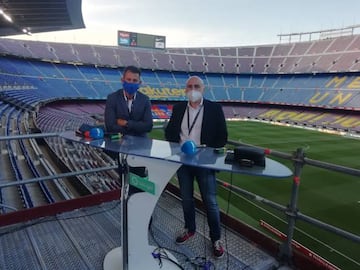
[[96, 133], [189, 147], [90, 131]]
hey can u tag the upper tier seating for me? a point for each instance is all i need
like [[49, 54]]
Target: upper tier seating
[[305, 57], [36, 81]]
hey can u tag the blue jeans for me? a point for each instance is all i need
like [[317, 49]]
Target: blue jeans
[[207, 185]]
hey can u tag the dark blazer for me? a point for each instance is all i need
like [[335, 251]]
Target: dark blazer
[[213, 129], [140, 120]]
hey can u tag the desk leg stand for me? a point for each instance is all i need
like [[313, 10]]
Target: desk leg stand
[[138, 210], [118, 257]]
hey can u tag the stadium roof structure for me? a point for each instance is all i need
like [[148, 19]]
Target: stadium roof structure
[[35, 16]]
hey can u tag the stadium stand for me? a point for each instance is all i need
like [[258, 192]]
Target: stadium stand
[[293, 58], [127, 57], [163, 61], [107, 55], [89, 81], [86, 54], [64, 52], [262, 89], [180, 62]]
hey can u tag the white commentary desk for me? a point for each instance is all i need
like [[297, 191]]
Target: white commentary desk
[[162, 159]]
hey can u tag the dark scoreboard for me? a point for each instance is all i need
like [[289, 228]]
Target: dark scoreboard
[[132, 39]]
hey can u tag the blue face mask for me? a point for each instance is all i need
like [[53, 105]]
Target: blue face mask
[[131, 88]]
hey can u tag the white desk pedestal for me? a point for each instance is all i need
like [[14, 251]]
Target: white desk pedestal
[[140, 207], [162, 159]]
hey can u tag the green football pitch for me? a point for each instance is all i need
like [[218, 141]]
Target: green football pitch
[[325, 195]]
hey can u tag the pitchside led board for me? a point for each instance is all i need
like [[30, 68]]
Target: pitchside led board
[[132, 39]]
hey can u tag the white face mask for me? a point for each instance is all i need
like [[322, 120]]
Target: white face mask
[[194, 95]]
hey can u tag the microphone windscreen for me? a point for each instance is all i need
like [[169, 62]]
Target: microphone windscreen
[[189, 147], [96, 133]]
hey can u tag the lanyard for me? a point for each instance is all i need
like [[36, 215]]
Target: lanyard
[[194, 121]]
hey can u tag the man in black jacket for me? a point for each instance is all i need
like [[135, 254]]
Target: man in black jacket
[[203, 122], [128, 112]]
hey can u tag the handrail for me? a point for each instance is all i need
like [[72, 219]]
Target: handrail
[[9, 183], [28, 136], [282, 208], [292, 212]]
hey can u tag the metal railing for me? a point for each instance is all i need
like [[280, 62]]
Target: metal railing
[[291, 211]]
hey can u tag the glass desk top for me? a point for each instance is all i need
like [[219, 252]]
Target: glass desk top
[[204, 157]]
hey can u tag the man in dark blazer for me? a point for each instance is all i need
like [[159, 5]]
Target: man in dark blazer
[[203, 122], [128, 111]]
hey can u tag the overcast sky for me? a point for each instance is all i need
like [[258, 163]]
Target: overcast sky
[[207, 23]]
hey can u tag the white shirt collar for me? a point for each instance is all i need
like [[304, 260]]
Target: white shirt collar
[[126, 98]]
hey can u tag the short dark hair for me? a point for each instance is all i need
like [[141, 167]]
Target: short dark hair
[[132, 69]]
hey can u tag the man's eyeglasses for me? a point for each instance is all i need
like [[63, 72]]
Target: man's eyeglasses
[[193, 86]]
